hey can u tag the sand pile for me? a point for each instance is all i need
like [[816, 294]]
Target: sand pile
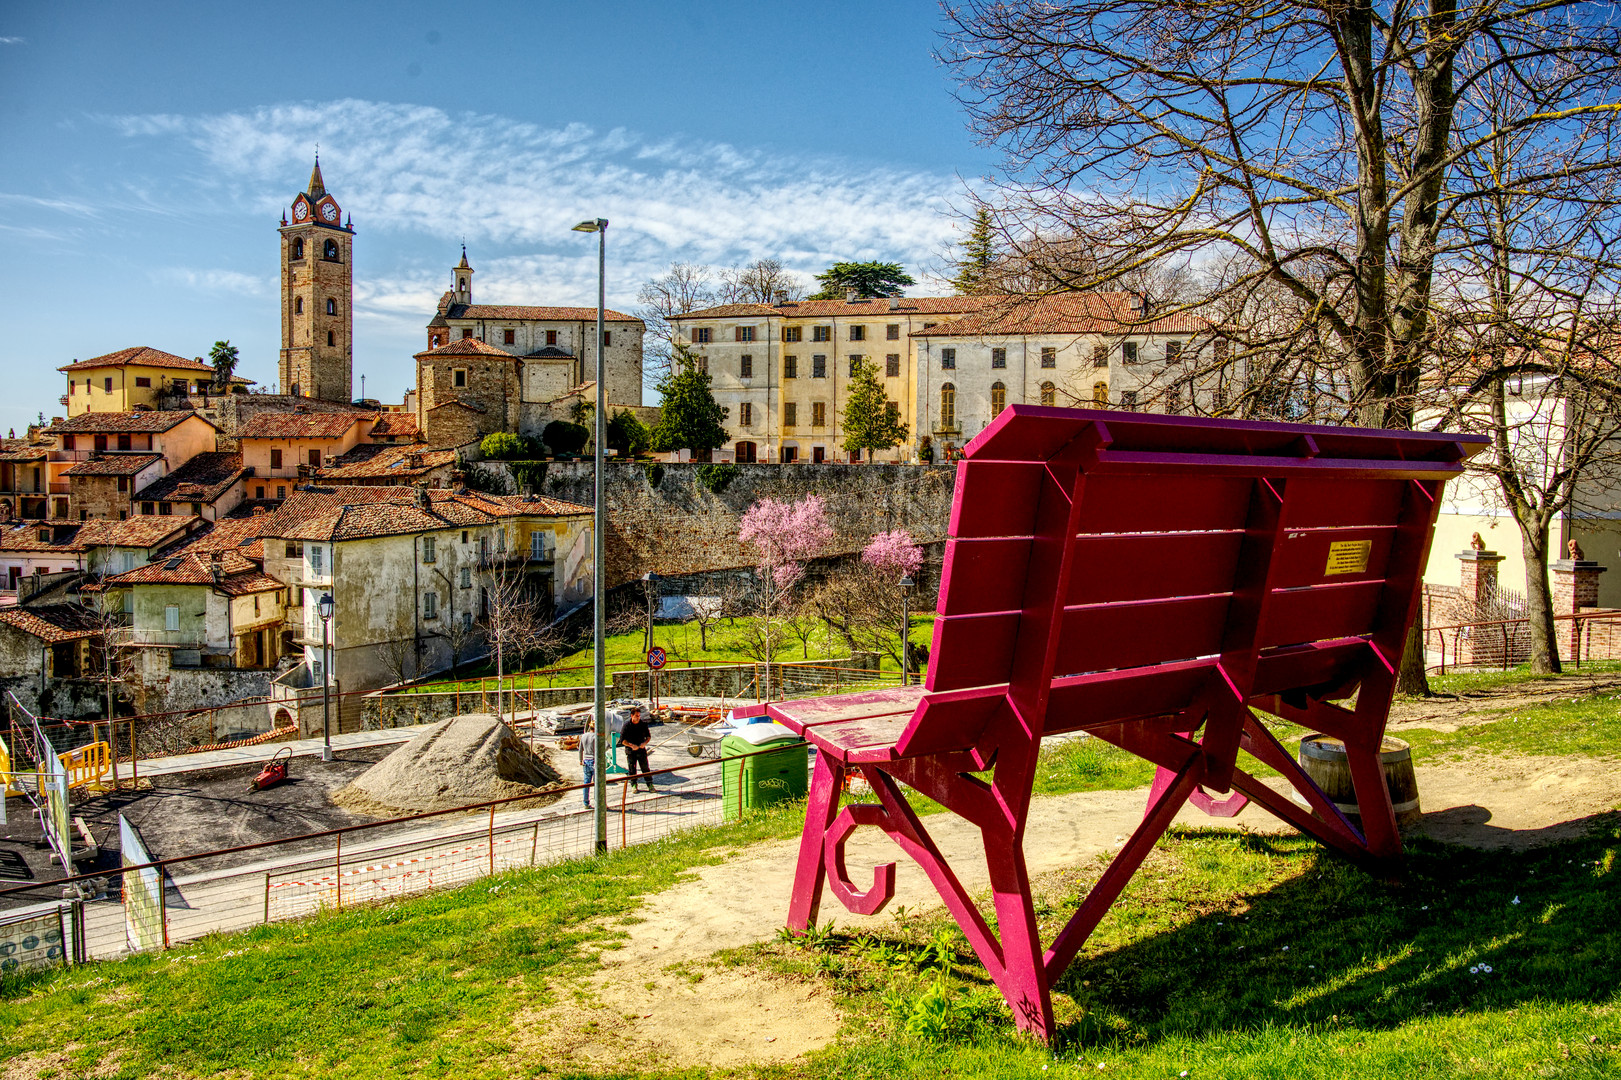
[[465, 759]]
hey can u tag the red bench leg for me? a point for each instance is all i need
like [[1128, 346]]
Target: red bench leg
[[1373, 797], [827, 781]]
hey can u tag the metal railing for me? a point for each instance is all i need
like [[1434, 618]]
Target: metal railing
[[1504, 643], [105, 914]]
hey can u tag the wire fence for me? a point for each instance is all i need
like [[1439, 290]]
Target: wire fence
[[160, 903]]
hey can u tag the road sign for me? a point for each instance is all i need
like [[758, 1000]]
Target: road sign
[[656, 658]]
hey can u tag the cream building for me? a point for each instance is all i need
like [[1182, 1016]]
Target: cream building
[[950, 363], [507, 367], [138, 377]]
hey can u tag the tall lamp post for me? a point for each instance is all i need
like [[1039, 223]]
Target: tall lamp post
[[650, 585], [598, 547], [326, 607], [906, 584]]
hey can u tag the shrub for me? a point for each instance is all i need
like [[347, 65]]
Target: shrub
[[502, 446], [655, 475], [566, 438], [716, 477], [627, 434]]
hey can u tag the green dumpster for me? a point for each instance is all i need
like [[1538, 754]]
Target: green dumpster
[[764, 778]]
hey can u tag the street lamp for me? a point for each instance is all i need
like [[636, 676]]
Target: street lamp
[[326, 606], [599, 526], [907, 585]]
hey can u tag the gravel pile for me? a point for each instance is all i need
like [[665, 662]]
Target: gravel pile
[[465, 759]]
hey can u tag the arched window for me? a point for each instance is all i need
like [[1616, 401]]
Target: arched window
[[330, 251], [948, 406], [1100, 393], [1049, 394], [298, 248], [331, 307], [298, 305], [998, 399], [461, 285]]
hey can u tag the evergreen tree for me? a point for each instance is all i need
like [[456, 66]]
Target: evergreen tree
[[689, 416], [978, 256], [627, 434], [869, 280], [224, 357], [871, 420]]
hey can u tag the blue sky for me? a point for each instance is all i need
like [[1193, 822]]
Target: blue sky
[[149, 150]]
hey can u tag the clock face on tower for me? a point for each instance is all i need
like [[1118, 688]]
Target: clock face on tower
[[301, 210], [329, 211]]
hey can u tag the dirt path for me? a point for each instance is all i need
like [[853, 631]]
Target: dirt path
[[662, 999]]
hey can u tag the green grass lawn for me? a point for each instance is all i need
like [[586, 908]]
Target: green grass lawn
[[1229, 955], [684, 645], [1468, 682]]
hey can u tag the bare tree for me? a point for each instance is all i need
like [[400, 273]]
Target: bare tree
[[513, 623], [763, 281], [395, 656], [706, 611], [684, 287], [1311, 149], [1530, 316]]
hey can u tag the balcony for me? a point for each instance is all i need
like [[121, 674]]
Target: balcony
[[59, 487], [165, 639]]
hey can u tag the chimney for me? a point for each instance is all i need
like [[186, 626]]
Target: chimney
[[894, 303], [413, 461], [423, 500], [851, 296], [780, 297], [215, 569]]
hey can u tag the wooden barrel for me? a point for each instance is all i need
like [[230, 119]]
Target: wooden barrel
[[1323, 758]]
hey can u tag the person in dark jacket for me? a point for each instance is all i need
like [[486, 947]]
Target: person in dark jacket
[[635, 737]]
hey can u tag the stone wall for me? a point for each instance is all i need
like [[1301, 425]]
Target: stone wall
[[385, 710], [681, 527]]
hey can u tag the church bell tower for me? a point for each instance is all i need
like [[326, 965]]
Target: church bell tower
[[317, 296]]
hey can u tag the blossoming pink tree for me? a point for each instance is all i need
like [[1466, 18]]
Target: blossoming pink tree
[[784, 534], [893, 554]]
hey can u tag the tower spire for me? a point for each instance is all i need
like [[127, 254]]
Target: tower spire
[[317, 187]]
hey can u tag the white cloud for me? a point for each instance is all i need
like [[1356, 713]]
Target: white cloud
[[216, 281], [12, 40], [513, 189]]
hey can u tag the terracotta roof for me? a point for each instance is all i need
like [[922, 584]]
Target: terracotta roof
[[467, 347], [311, 425], [148, 421], [22, 450], [396, 425], [239, 575], [23, 535], [202, 479], [139, 354], [113, 464], [53, 623], [1065, 313], [358, 512], [550, 352], [820, 309], [382, 461], [512, 313], [234, 532], [146, 531]]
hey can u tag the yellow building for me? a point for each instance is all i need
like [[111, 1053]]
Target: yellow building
[[134, 378]]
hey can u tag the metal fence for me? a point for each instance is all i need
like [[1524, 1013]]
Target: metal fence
[[164, 902], [1503, 643]]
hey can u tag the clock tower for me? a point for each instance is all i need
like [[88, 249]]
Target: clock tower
[[317, 296]]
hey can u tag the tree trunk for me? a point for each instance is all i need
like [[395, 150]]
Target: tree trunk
[[1538, 597], [1411, 679]]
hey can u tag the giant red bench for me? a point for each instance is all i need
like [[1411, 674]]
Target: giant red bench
[[1150, 580]]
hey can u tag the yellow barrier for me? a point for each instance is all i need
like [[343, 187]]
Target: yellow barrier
[[87, 764], [6, 787]]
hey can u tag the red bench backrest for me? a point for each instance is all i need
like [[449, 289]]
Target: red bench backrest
[[1325, 529]]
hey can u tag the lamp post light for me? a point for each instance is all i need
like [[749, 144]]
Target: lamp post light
[[906, 584], [598, 546], [326, 607]]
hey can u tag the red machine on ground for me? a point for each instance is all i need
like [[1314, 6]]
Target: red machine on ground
[[275, 770], [1150, 580]]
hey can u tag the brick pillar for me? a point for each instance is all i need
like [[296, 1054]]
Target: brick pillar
[[1477, 588], [1575, 586]]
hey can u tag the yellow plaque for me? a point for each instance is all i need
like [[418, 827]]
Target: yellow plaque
[[1348, 557]]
